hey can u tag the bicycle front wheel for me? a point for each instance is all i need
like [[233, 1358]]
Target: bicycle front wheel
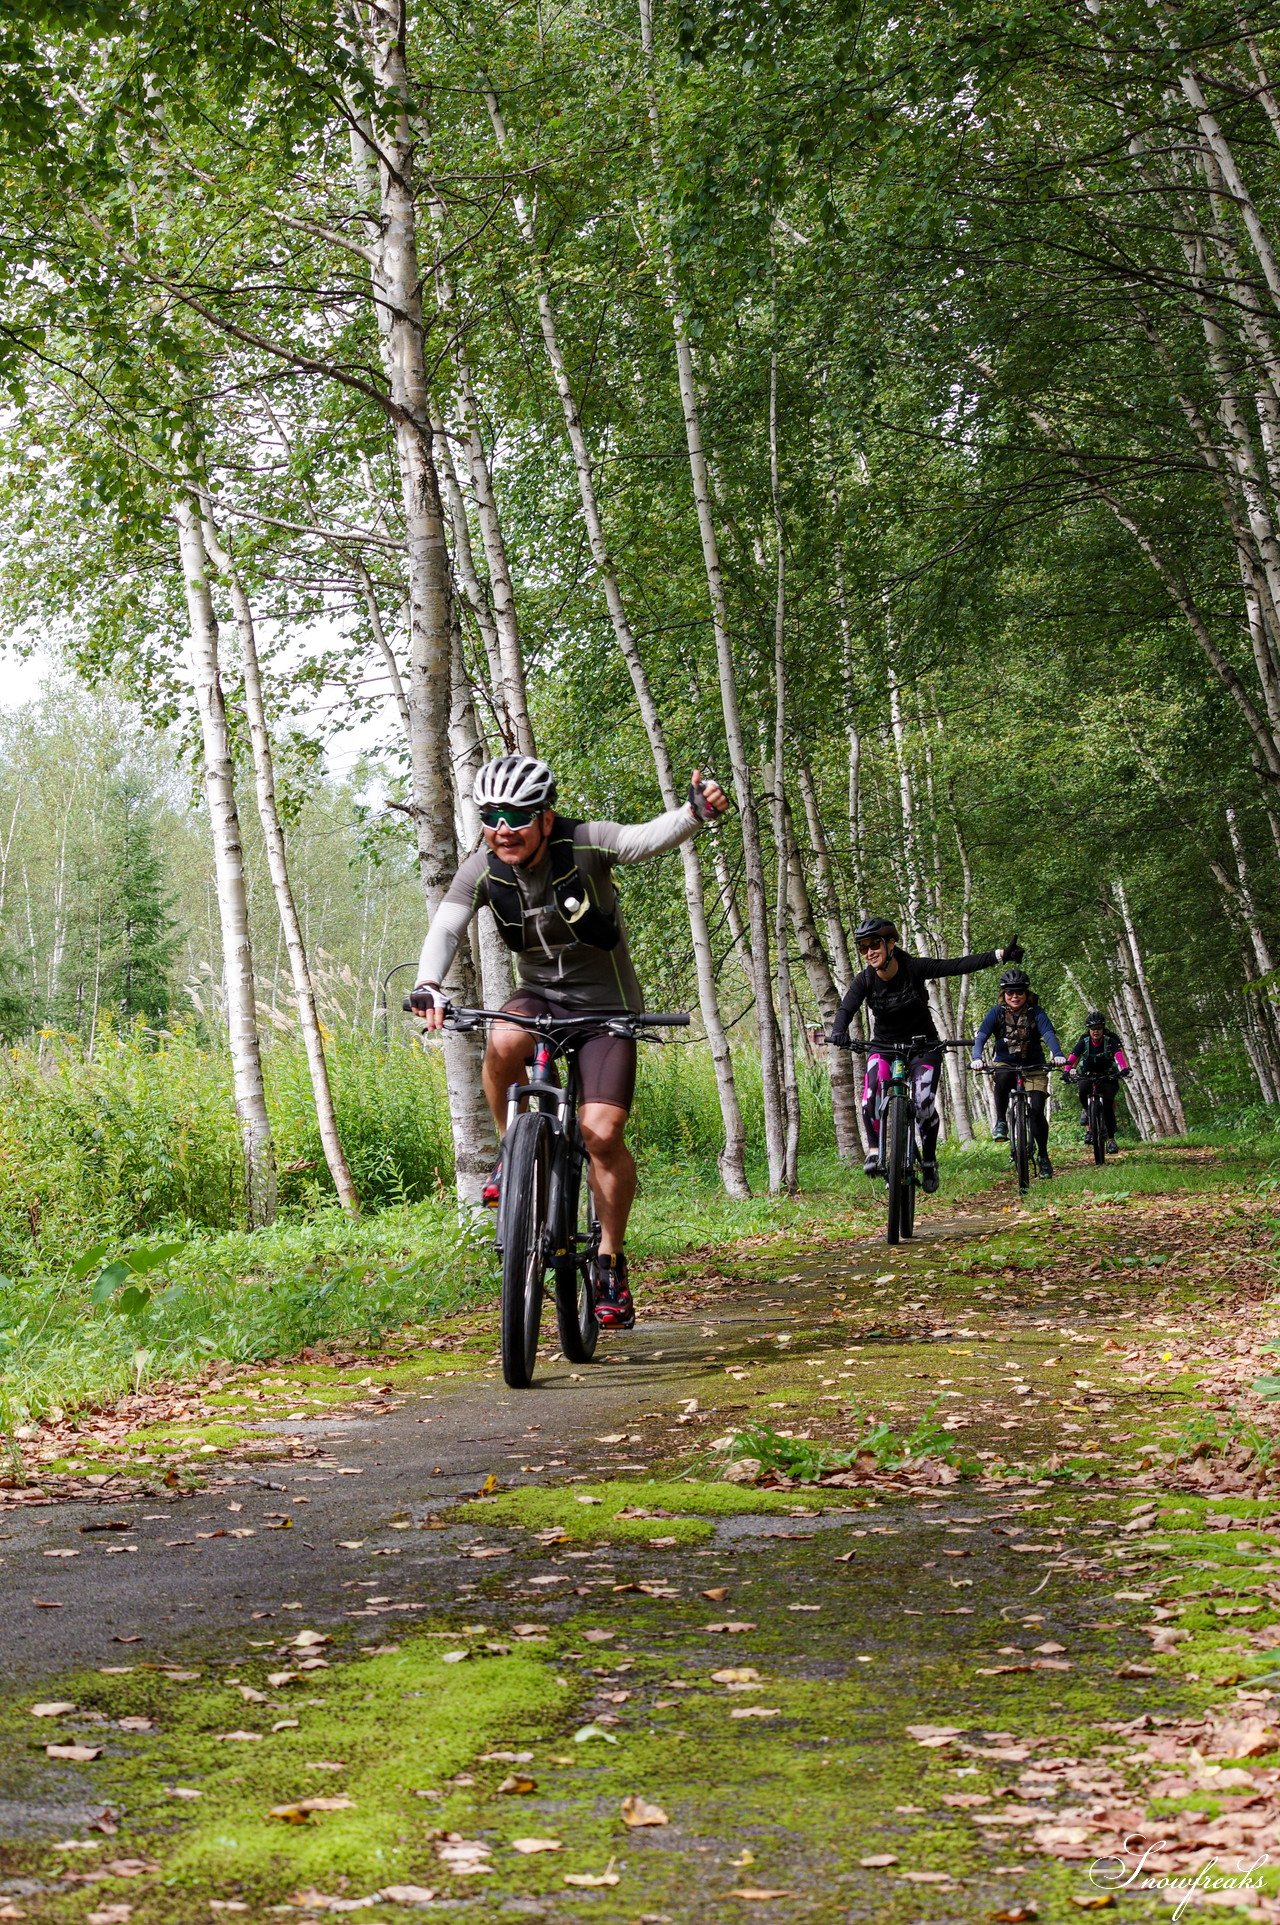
[[909, 1186], [575, 1306], [1019, 1143], [1097, 1132], [526, 1174], [894, 1124]]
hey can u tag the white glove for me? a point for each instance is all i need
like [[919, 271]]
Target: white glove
[[1058, 1061], [976, 1064]]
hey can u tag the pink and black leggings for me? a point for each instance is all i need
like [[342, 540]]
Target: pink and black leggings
[[922, 1074]]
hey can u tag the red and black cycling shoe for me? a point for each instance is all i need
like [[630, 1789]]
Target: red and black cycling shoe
[[492, 1190], [614, 1308]]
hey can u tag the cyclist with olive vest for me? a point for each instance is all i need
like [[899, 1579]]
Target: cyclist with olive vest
[[548, 881]]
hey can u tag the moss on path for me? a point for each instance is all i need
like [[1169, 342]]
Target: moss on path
[[750, 1661]]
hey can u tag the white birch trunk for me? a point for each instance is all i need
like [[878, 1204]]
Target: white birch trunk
[[1164, 1061], [1144, 1094], [841, 960], [733, 1156], [465, 576], [239, 986], [469, 755], [398, 282], [757, 946], [781, 840], [509, 684], [846, 1108], [278, 868]]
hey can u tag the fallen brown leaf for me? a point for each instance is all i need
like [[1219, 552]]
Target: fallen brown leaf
[[732, 1628], [760, 1892], [530, 1845], [517, 1786], [593, 1879], [717, 1593], [59, 1708], [636, 1813], [76, 1754], [877, 1860]]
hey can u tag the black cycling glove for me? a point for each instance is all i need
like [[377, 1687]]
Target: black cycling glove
[[1013, 952], [702, 810]]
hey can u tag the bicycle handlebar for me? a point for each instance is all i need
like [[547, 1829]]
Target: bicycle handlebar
[[471, 1018], [903, 1046], [993, 1069]]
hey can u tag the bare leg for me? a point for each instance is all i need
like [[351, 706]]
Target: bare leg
[[506, 1062], [613, 1170]]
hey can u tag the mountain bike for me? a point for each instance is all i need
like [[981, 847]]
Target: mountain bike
[[1018, 1117], [546, 1213], [1095, 1121], [899, 1146]]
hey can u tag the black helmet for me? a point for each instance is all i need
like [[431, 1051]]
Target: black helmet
[[875, 926], [1095, 1020], [1014, 979]]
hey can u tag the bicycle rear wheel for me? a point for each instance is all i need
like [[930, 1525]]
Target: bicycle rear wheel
[[1019, 1145], [526, 1174], [575, 1306], [894, 1124], [1097, 1130]]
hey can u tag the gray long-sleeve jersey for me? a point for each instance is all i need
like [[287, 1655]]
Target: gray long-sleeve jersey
[[554, 962]]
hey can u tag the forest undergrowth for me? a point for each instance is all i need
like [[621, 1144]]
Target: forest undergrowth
[[121, 1315]]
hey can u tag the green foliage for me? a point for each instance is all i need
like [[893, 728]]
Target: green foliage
[[797, 1458], [140, 1136], [246, 1298]]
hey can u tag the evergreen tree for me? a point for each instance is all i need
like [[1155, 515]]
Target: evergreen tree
[[140, 943]]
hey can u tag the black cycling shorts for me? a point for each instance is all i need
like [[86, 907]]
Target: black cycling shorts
[[606, 1064]]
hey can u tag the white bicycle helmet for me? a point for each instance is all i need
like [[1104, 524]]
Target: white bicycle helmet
[[521, 781]]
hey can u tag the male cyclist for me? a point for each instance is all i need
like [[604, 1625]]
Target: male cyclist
[[548, 880], [1021, 1029], [893, 987], [1098, 1062]]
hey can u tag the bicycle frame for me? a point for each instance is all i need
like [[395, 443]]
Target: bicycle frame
[[569, 1152], [541, 1210], [898, 1148], [1020, 1128]]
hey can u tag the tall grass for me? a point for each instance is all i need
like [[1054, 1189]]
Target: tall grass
[[141, 1136]]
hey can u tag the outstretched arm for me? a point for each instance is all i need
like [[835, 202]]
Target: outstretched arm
[[640, 841], [931, 966]]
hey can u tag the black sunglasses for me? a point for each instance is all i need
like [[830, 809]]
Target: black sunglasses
[[514, 818]]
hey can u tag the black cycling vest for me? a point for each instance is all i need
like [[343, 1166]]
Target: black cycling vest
[[589, 924]]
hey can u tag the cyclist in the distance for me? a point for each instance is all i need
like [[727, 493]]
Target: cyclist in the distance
[[1098, 1060], [548, 879], [1022, 1031], [893, 987]]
